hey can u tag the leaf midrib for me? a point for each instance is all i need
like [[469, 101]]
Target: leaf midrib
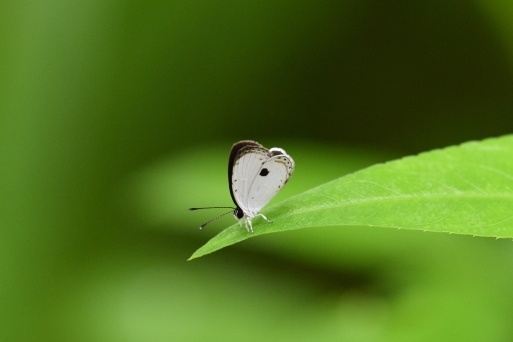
[[368, 200]]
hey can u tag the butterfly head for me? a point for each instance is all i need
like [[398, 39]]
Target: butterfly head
[[238, 213]]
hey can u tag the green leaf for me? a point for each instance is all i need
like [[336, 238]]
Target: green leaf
[[467, 189]]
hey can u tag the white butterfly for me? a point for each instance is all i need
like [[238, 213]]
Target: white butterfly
[[255, 176]]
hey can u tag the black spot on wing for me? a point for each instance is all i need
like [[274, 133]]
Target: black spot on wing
[[264, 172]]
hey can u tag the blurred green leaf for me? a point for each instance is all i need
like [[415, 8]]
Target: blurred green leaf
[[466, 189]]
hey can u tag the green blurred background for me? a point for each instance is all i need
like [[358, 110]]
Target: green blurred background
[[116, 116]]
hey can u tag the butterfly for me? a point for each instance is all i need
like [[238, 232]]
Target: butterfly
[[255, 175]]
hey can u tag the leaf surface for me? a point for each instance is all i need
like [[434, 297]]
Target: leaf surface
[[466, 189]]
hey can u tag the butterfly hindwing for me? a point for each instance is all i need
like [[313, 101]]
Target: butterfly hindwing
[[269, 180]]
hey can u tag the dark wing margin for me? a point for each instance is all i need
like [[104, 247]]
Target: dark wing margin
[[234, 152]]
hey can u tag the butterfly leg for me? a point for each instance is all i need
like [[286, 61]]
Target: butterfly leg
[[265, 218], [249, 226]]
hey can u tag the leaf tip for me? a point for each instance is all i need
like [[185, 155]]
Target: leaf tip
[[193, 256]]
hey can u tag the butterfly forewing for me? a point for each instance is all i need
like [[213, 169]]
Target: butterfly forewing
[[234, 156], [246, 166]]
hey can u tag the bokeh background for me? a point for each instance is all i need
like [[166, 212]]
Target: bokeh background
[[116, 116]]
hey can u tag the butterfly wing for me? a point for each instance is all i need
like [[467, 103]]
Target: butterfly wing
[[269, 180], [258, 175], [246, 166], [237, 174]]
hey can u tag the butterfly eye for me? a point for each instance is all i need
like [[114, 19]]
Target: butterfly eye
[[238, 213], [264, 172]]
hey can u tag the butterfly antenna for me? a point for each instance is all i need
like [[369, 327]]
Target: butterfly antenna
[[210, 208], [215, 218]]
